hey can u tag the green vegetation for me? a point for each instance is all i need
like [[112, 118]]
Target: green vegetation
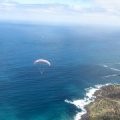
[[106, 105]]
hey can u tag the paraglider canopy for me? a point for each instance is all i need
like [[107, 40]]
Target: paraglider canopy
[[40, 63], [42, 60]]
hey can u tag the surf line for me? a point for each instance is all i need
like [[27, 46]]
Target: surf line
[[111, 68], [89, 97], [113, 75]]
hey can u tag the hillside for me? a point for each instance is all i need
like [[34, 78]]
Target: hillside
[[106, 105]]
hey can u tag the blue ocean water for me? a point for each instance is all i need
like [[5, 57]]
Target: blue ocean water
[[80, 57]]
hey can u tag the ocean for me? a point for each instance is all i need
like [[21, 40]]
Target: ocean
[[81, 57]]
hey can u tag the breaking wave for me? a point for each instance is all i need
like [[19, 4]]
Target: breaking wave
[[81, 103], [114, 69], [104, 65], [107, 76], [111, 68]]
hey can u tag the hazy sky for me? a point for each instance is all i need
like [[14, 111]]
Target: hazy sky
[[102, 12]]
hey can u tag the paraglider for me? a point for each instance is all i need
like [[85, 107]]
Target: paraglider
[[41, 63], [42, 60]]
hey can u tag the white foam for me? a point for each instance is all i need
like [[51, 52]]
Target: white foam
[[104, 65], [89, 97], [111, 68], [114, 69], [107, 76], [80, 104]]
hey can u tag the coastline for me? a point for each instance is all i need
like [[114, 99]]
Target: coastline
[[84, 103], [104, 90], [86, 115]]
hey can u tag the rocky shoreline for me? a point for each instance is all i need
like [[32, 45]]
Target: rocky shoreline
[[106, 105]]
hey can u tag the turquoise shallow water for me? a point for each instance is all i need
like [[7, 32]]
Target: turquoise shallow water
[[80, 57]]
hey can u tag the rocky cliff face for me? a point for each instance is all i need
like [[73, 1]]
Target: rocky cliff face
[[106, 105]]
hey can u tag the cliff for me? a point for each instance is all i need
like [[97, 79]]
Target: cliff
[[106, 105]]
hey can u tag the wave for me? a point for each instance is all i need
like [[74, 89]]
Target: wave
[[114, 69], [104, 65], [89, 97], [111, 68], [107, 76]]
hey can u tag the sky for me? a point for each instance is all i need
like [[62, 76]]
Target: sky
[[100, 12]]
